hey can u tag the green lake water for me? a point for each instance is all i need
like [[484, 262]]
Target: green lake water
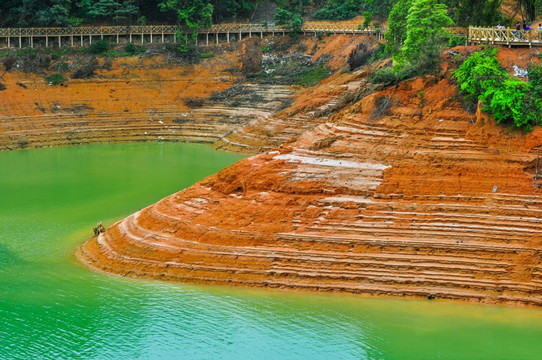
[[51, 307]]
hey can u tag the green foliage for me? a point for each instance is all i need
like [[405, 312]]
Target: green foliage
[[228, 9], [456, 41], [99, 47], [368, 17], [397, 27], [480, 72], [133, 49], [290, 21], [426, 33], [513, 102], [339, 10], [193, 15], [510, 100], [389, 76], [110, 53], [386, 76], [55, 79], [313, 75], [117, 10], [535, 78], [206, 55], [476, 12]]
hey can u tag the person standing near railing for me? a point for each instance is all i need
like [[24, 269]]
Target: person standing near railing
[[517, 33]]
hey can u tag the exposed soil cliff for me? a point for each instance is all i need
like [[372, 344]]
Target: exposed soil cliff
[[402, 193], [153, 98]]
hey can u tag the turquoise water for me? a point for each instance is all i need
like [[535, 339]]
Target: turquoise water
[[51, 307]]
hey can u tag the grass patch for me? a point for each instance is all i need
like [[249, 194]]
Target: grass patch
[[313, 75], [55, 79], [206, 55]]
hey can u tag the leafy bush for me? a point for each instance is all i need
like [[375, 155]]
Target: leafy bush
[[313, 75], [55, 79], [456, 41], [535, 78], [290, 21], [513, 101], [510, 100], [368, 16], [339, 10], [133, 49], [386, 76], [101, 46], [206, 55], [480, 72]]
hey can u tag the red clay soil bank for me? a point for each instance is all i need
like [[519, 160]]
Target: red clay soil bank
[[138, 99], [145, 99], [311, 106], [404, 193]]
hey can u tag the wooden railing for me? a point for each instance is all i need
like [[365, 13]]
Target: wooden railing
[[505, 36], [172, 29]]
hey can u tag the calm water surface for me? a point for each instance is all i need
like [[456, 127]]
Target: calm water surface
[[51, 307]]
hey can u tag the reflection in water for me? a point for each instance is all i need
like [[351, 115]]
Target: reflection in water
[[52, 307]]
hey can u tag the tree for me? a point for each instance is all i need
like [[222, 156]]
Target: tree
[[26, 13], [427, 21], [191, 16], [227, 9], [290, 21], [528, 9], [339, 10], [380, 8], [55, 12], [397, 27], [475, 12]]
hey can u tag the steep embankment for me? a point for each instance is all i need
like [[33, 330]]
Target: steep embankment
[[403, 193], [312, 106], [133, 99], [157, 97]]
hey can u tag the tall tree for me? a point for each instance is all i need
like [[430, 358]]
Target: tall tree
[[397, 26], [427, 21], [24, 13], [475, 12], [528, 9], [191, 16]]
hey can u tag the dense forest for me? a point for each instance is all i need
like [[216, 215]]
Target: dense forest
[[198, 13], [195, 13]]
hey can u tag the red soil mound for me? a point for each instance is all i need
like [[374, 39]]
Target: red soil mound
[[404, 193]]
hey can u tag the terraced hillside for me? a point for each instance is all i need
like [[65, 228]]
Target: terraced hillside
[[399, 194]]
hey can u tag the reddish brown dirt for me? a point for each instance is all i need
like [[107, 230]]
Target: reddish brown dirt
[[134, 101], [403, 193]]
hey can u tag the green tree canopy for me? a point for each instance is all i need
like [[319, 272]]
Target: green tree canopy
[[475, 12], [426, 32], [397, 26]]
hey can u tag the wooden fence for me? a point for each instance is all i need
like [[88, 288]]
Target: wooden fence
[[22, 37], [508, 37]]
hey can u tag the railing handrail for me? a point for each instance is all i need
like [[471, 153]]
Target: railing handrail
[[172, 29], [505, 36]]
